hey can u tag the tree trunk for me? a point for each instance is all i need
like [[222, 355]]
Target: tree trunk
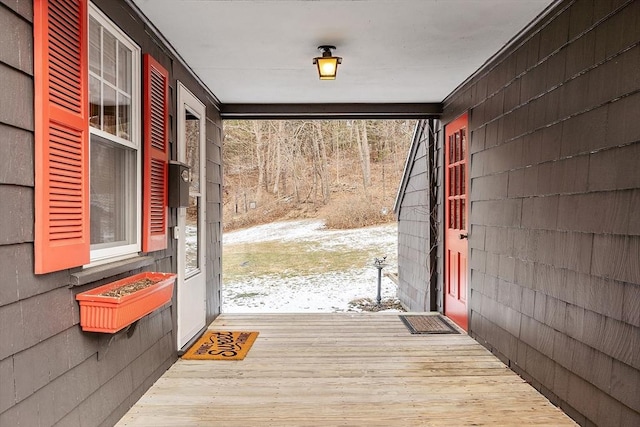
[[278, 169], [323, 167], [337, 151], [363, 145], [260, 157]]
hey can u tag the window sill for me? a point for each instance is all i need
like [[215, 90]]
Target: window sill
[[93, 274]]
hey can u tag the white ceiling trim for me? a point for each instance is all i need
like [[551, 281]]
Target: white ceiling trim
[[394, 51]]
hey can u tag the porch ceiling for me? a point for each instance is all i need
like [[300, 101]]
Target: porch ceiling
[[394, 51]]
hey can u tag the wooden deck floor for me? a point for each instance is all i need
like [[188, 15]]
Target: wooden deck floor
[[343, 370]]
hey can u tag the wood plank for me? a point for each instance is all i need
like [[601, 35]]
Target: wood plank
[[330, 369]]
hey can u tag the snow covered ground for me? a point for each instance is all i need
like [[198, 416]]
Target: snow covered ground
[[327, 292]]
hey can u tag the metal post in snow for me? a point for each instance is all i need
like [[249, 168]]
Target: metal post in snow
[[379, 264]]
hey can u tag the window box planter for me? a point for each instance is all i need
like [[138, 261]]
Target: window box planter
[[109, 314]]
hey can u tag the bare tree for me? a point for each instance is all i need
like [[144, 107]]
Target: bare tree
[[260, 157], [363, 145], [302, 161], [320, 160], [336, 139], [280, 139]]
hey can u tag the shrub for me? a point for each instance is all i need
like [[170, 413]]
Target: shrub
[[358, 213], [262, 215]]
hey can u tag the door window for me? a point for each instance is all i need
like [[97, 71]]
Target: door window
[[193, 221]]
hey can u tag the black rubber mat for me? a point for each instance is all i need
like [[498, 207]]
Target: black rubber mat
[[428, 324]]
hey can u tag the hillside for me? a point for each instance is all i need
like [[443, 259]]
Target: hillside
[[344, 172]]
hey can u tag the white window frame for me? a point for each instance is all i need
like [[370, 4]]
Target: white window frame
[[101, 256]]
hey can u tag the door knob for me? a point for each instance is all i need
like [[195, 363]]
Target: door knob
[[464, 236]]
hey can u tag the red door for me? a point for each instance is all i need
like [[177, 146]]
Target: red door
[[455, 239]]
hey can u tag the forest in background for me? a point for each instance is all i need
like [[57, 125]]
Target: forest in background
[[346, 172]]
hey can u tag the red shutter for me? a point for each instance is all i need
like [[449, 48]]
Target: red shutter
[[156, 155], [61, 234]]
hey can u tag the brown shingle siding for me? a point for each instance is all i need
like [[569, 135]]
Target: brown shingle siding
[[16, 108], [584, 397], [580, 54], [22, 8], [615, 257], [511, 95], [584, 132], [596, 212], [11, 333], [65, 382], [625, 384], [615, 169], [16, 150], [16, 38], [555, 187], [415, 229], [7, 384], [490, 187], [631, 304], [25, 284], [48, 365], [540, 212]]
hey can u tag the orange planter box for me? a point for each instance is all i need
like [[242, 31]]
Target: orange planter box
[[101, 313]]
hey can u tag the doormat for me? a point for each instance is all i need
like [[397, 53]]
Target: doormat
[[221, 345], [433, 324]]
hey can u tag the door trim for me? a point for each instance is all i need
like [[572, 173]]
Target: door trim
[[460, 317], [186, 101]]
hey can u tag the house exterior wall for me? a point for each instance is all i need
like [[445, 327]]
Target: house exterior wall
[[419, 224], [214, 216], [414, 228], [555, 194], [50, 371]]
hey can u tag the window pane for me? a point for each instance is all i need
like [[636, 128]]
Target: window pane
[[124, 69], [452, 181], [451, 149], [463, 144], [452, 213], [192, 237], [192, 129], [455, 148], [124, 116], [463, 214], [95, 116], [113, 171], [109, 57], [94, 46], [109, 109], [114, 175]]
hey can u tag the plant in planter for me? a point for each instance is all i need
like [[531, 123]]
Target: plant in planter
[[112, 307]]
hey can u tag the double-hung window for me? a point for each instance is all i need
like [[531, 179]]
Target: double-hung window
[[115, 140], [100, 175]]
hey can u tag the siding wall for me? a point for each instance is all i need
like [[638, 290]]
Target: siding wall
[[419, 221], [555, 202], [214, 217], [414, 227], [50, 371]]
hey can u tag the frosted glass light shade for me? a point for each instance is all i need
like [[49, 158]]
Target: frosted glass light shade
[[327, 64]]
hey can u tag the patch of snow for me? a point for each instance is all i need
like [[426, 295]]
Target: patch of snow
[[314, 230], [276, 231], [324, 292]]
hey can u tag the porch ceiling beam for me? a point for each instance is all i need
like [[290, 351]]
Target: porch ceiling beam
[[330, 111]]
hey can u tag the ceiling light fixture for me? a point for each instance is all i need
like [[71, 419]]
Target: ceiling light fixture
[[327, 64]]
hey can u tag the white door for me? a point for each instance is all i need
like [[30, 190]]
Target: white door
[[191, 220]]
